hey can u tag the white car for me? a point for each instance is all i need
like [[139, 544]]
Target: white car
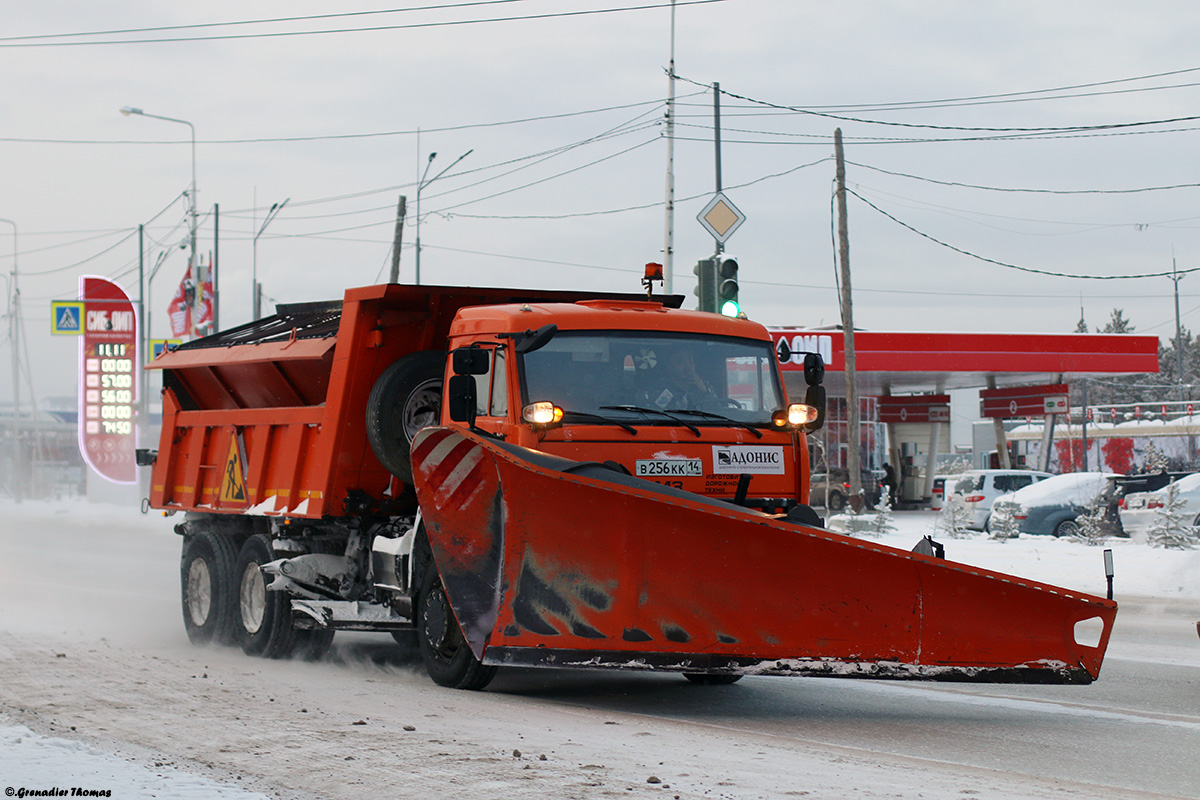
[[943, 485], [1139, 509], [977, 489]]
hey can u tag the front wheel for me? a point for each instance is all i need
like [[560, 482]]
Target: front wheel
[[709, 679], [447, 656]]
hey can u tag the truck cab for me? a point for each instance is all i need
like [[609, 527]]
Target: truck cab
[[686, 399]]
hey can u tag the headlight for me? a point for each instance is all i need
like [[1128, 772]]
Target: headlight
[[794, 416], [542, 414]]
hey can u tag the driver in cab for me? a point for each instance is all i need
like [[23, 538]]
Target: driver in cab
[[679, 385]]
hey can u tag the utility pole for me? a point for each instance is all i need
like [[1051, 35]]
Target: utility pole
[[401, 211], [853, 453], [1176, 277], [214, 268], [717, 149], [14, 329], [669, 244]]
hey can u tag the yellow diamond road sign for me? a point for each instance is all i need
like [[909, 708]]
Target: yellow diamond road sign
[[721, 217]]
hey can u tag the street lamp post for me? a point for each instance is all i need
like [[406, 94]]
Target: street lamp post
[[421, 184], [127, 111], [14, 330], [271, 214]]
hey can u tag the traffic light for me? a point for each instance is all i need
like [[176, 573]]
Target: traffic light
[[706, 284], [727, 287]]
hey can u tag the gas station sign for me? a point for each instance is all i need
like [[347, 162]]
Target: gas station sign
[[914, 408], [108, 380], [1024, 401]]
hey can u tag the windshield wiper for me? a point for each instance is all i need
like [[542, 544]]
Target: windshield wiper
[[658, 411], [711, 415], [609, 420]]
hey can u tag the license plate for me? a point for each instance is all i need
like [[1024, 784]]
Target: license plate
[[669, 468]]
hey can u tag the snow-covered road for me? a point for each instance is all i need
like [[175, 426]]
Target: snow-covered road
[[96, 671]]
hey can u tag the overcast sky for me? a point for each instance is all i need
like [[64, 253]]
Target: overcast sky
[[564, 185]]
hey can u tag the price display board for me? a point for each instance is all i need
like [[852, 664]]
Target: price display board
[[108, 380]]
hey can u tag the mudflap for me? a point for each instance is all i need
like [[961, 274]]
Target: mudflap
[[557, 563]]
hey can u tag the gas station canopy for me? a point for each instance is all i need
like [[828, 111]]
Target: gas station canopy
[[911, 362]]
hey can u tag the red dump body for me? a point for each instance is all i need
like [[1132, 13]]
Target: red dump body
[[268, 418]]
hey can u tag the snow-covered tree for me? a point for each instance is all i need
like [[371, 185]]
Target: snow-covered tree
[[1172, 527], [883, 522], [1153, 459], [1002, 524], [953, 519], [1093, 524]]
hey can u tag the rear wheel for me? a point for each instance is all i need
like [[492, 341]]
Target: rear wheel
[[709, 679], [264, 618], [1068, 527], [447, 656], [206, 584]]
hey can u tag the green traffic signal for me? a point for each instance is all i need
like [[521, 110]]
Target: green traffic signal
[[727, 287]]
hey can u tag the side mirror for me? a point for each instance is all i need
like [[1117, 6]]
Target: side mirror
[[814, 370], [471, 360], [815, 397], [460, 398], [536, 340]]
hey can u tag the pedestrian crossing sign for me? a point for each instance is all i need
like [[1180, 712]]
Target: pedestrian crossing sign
[[66, 317]]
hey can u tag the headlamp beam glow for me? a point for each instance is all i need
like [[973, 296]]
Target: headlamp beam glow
[[542, 412], [794, 416]]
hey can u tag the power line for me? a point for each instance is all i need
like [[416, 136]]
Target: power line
[[199, 25], [339, 136], [929, 126], [329, 31], [1029, 190], [1008, 95], [1006, 265]]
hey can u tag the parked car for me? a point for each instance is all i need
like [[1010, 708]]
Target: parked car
[[1051, 506], [978, 488], [1137, 510], [837, 483], [943, 485]]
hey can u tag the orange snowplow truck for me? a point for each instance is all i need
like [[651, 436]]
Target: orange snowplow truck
[[554, 479]]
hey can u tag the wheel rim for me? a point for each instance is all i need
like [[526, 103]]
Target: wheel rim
[[252, 598], [1068, 528], [422, 408], [199, 592], [437, 624]]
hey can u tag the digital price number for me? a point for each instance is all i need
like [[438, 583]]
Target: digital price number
[[109, 380]]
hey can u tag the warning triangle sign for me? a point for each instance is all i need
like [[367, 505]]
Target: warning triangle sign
[[233, 482]]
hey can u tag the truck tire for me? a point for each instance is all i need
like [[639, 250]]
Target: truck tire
[[312, 645], [710, 679], [406, 398], [447, 656], [206, 584], [264, 619]]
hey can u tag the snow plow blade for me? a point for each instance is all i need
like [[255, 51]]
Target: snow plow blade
[[556, 563]]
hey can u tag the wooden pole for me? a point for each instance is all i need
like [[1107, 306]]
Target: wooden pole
[[401, 211], [853, 423]]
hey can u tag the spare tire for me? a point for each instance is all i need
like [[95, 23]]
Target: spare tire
[[406, 398]]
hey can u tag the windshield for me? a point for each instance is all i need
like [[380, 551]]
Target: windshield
[[639, 375]]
